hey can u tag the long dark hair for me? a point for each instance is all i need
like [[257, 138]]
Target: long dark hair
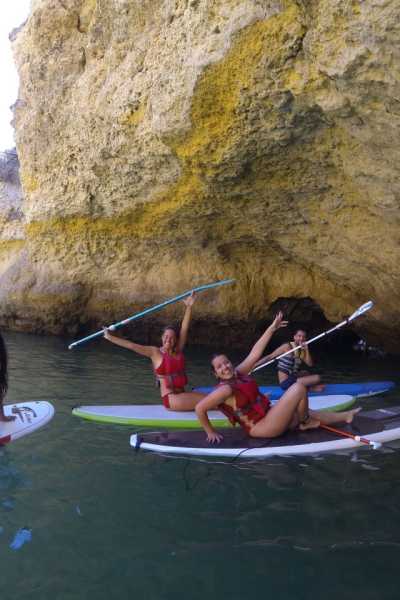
[[3, 369]]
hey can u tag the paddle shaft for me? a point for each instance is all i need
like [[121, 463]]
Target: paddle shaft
[[356, 314], [152, 309], [356, 438]]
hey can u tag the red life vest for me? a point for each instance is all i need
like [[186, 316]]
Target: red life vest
[[172, 370], [247, 405]]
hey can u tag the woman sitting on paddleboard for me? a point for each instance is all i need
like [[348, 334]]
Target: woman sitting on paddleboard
[[294, 366], [239, 398], [168, 362], [3, 379]]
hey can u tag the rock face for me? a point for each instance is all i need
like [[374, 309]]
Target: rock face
[[168, 143], [12, 228]]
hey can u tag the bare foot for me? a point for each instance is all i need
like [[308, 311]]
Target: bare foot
[[350, 414], [311, 423]]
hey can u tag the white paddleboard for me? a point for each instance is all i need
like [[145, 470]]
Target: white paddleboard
[[155, 415], [380, 426], [29, 416]]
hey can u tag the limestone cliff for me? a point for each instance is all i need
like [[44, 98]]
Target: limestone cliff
[[167, 143]]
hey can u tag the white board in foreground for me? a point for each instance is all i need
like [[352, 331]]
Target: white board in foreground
[[29, 416]]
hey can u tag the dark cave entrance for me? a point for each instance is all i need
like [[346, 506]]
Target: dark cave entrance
[[305, 313]]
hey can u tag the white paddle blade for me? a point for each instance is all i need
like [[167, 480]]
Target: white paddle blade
[[360, 311]]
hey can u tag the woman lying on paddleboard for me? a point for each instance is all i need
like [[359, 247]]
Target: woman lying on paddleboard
[[3, 379], [238, 397], [168, 362]]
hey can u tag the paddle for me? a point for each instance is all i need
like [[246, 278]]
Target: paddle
[[356, 438], [147, 311], [360, 311]]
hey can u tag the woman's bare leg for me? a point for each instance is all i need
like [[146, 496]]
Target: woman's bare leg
[[312, 382], [292, 407], [328, 418], [184, 401]]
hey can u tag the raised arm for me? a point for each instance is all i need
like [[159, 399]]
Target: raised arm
[[183, 334], [256, 352], [149, 351], [212, 400]]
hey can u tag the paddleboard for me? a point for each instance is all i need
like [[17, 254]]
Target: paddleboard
[[155, 415], [29, 417], [381, 425], [358, 390]]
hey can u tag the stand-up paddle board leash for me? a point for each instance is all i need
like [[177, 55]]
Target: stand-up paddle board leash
[[239, 454]]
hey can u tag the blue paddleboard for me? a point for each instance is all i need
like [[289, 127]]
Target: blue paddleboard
[[358, 390]]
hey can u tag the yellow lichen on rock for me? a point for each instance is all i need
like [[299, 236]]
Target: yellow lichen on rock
[[86, 14], [134, 116], [218, 93], [164, 144], [29, 183]]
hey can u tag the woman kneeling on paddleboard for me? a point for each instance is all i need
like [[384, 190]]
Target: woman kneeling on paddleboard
[[168, 362], [239, 398]]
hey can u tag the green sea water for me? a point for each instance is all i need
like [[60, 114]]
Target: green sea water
[[108, 523]]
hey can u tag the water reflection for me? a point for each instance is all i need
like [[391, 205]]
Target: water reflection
[[108, 522]]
